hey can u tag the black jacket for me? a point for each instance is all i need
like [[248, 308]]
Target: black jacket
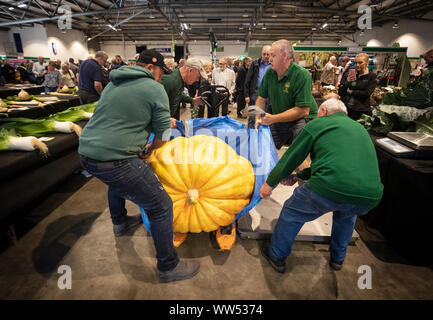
[[250, 86], [361, 89], [240, 79]]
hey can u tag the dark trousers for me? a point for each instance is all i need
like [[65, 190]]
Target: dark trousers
[[240, 102], [285, 132], [214, 112], [176, 114], [356, 115], [87, 96], [132, 179]]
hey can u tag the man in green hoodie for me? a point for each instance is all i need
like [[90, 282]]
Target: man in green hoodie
[[132, 106], [344, 179]]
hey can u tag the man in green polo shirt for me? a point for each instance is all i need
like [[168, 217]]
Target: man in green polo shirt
[[175, 82], [288, 86], [343, 178]]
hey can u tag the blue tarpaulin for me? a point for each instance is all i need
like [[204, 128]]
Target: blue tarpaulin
[[255, 145]]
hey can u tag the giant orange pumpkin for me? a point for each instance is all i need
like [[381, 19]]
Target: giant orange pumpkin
[[207, 180]]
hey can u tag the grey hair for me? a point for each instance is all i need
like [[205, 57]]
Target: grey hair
[[101, 54], [285, 46], [334, 105]]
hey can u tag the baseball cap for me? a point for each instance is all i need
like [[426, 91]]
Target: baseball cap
[[196, 64], [155, 58]]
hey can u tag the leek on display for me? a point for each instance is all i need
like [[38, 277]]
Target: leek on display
[[10, 141], [38, 127]]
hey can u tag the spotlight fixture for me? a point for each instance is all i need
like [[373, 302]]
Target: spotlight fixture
[[395, 26], [22, 5], [109, 25], [11, 8], [180, 15], [264, 27], [151, 16], [324, 25], [245, 15], [274, 15], [362, 33]]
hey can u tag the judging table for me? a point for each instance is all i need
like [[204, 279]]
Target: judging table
[[13, 90], [47, 109], [26, 176], [405, 214]]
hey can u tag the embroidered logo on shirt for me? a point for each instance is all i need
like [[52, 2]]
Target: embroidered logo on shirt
[[286, 87]]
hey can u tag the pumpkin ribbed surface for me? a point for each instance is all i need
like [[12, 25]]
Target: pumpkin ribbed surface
[[207, 180]]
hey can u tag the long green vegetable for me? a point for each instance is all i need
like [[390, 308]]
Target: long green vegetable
[[38, 127], [10, 141]]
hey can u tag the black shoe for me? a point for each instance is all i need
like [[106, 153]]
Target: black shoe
[[336, 265], [184, 270], [278, 265], [131, 221]]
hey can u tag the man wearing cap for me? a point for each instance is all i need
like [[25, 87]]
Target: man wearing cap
[[132, 106], [175, 82]]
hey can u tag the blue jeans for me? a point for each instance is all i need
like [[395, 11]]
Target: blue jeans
[[305, 205], [132, 179], [50, 89]]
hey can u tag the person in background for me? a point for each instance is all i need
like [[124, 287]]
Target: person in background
[[181, 63], [24, 74], [40, 69], [169, 62], [253, 79], [32, 77], [8, 72], [428, 58], [68, 77], [72, 66], [89, 78], [289, 88], [208, 67], [136, 56], [175, 82], [344, 68], [240, 83], [236, 67], [58, 64], [328, 76], [111, 148], [223, 76], [230, 64], [344, 178], [356, 87], [117, 62], [316, 67], [53, 79]]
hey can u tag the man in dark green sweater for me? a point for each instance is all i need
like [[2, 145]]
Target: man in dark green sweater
[[111, 145], [343, 178], [175, 82]]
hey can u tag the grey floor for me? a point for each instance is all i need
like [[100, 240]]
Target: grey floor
[[76, 231]]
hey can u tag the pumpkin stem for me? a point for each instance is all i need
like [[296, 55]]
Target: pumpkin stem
[[193, 196]]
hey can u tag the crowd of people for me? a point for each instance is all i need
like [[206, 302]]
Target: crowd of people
[[136, 100]]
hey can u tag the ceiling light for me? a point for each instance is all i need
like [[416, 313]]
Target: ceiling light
[[151, 16], [22, 5], [264, 27], [314, 29], [362, 33], [88, 39], [11, 8], [245, 15], [324, 25], [109, 25], [184, 26], [180, 15], [395, 26], [274, 15]]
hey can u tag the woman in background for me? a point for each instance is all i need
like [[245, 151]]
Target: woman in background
[[356, 87], [68, 77], [53, 79]]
